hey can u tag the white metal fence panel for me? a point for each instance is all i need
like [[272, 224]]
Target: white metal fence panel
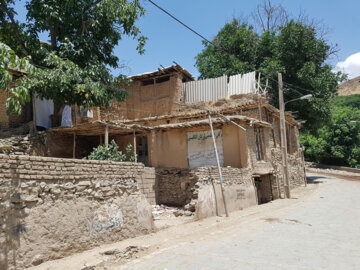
[[242, 84], [215, 89], [205, 90]]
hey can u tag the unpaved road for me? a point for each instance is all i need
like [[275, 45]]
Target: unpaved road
[[319, 228]]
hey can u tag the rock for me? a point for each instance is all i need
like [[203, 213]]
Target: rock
[[69, 186], [38, 259], [188, 213], [24, 185], [15, 198], [111, 252], [31, 198], [56, 191], [84, 183], [178, 213]]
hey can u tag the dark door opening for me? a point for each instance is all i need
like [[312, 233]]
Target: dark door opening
[[263, 188], [142, 150]]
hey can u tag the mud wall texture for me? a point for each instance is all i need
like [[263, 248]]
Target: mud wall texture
[[147, 184], [194, 189], [51, 208], [239, 190]]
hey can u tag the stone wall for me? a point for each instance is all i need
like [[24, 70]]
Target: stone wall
[[51, 208], [194, 189], [175, 187], [295, 169]]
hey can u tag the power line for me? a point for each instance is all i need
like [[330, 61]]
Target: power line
[[220, 48]]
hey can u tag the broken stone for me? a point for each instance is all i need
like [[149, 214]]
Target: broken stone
[[188, 213], [56, 191], [38, 259], [111, 252], [31, 198], [84, 183]]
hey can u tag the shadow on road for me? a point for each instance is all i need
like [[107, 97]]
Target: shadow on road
[[314, 179]]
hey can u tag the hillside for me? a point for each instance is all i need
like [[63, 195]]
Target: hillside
[[350, 87]]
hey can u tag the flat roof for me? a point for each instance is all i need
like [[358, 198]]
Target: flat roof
[[116, 128], [160, 72]]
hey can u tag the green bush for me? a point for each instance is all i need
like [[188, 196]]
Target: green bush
[[336, 142], [111, 152]]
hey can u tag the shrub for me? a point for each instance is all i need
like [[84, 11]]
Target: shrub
[[111, 152]]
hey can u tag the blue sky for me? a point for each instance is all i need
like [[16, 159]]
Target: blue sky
[[169, 41]]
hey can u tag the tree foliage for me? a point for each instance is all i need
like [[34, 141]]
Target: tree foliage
[[293, 49], [73, 68], [19, 92], [337, 142]]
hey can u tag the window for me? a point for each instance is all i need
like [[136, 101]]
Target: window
[[259, 144]]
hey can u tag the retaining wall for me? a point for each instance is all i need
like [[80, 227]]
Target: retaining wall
[[194, 189], [51, 208]]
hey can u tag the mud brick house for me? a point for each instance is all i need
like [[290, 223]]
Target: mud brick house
[[165, 118]]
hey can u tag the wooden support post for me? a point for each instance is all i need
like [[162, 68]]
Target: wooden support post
[[218, 164], [74, 145], [283, 138], [34, 112], [106, 135], [260, 112], [303, 161], [134, 145]]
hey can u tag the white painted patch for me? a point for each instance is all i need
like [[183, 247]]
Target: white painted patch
[[201, 148]]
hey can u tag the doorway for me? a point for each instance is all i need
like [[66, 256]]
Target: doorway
[[142, 150], [263, 188]]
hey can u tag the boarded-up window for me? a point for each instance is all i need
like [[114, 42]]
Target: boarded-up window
[[259, 143], [201, 148]]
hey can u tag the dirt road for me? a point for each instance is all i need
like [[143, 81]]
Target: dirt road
[[319, 228]]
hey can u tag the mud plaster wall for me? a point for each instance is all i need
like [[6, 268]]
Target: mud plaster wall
[[168, 148], [239, 190], [147, 184], [141, 102], [194, 190], [51, 208]]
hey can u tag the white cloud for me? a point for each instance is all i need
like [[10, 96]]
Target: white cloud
[[350, 66]]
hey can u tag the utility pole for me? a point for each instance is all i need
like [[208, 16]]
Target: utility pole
[[218, 164], [283, 138]]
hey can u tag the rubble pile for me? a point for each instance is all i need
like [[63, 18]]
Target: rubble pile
[[21, 144], [163, 212], [117, 256]]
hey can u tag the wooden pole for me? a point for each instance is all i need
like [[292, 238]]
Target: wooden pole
[[283, 138], [74, 145], [218, 164], [106, 135], [134, 146], [303, 160], [34, 112], [260, 112]]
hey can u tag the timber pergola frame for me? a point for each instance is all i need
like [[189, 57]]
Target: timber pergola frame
[[99, 128], [106, 128]]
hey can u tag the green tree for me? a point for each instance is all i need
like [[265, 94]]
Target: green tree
[[294, 50], [73, 69], [19, 92], [337, 142]]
